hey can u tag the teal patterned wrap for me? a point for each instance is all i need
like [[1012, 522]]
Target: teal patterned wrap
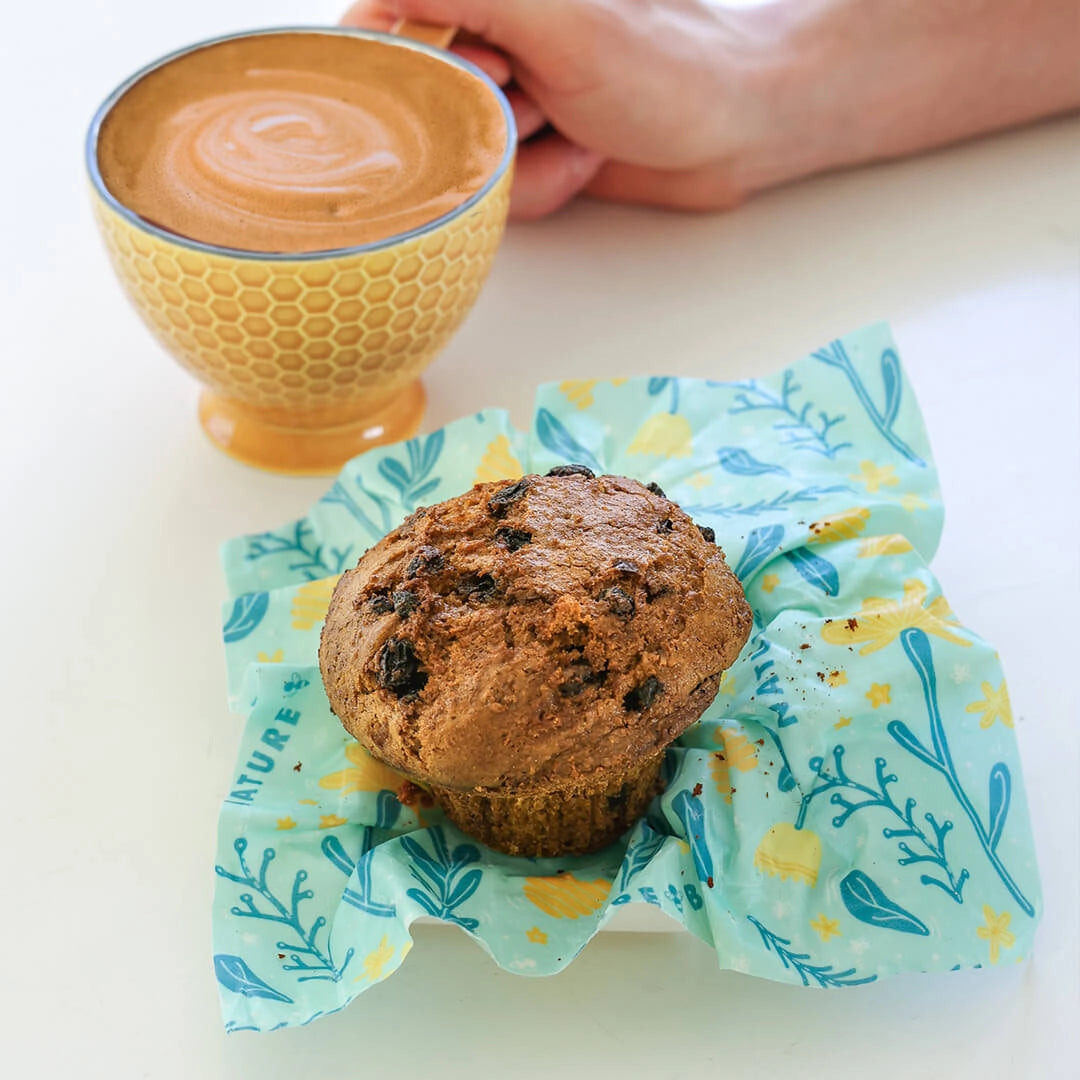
[[851, 805]]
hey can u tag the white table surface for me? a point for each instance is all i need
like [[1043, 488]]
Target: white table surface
[[117, 744]]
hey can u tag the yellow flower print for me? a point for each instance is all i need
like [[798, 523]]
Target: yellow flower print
[[826, 928], [578, 391], [311, 601], [331, 821], [565, 896], [367, 774], [271, 658], [844, 721], [664, 435], [286, 823], [880, 621], [879, 694], [994, 706], [836, 678], [536, 936], [375, 962], [498, 462], [884, 545], [787, 852], [727, 683], [307, 802], [910, 501], [844, 526], [739, 753], [769, 582], [699, 480], [997, 932], [874, 477]]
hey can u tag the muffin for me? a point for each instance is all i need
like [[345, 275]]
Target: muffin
[[526, 651]]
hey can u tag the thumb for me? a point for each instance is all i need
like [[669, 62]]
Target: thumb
[[506, 23]]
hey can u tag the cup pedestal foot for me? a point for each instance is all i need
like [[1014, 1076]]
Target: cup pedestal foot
[[320, 449]]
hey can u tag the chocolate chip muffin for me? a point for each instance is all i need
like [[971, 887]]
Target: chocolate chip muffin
[[527, 650]]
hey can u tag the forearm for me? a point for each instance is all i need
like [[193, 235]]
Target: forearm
[[874, 79]]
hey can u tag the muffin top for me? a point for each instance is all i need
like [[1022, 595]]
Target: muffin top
[[527, 634]]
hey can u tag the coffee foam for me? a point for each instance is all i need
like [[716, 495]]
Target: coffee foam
[[300, 142]]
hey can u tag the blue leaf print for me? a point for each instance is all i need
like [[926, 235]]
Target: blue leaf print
[[411, 480], [893, 380], [814, 569], [333, 850], [395, 474], [868, 903], [760, 545], [916, 645], [907, 739], [317, 962], [236, 976], [785, 781], [431, 452], [560, 442], [803, 965], [835, 355], [247, 612], [640, 854], [1000, 795], [419, 855], [424, 901], [461, 892], [656, 385], [444, 887], [426, 489], [387, 809], [692, 815], [734, 459]]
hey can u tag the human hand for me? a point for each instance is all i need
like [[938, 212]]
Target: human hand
[[630, 100], [695, 105]]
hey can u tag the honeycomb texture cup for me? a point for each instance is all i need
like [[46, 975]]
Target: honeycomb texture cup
[[307, 360]]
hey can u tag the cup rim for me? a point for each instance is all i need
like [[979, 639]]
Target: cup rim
[[114, 204]]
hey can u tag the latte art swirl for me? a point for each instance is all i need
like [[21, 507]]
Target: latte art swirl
[[308, 155], [302, 156]]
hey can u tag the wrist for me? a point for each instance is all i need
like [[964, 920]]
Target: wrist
[[768, 67]]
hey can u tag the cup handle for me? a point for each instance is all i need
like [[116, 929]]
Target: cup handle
[[427, 33]]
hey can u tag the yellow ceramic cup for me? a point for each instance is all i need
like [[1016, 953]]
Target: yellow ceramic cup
[[310, 358]]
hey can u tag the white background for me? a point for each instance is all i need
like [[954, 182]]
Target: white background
[[116, 744]]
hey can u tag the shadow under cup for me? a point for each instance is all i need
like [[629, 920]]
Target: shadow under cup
[[307, 358]]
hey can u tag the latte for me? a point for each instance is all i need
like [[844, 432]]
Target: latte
[[301, 141]]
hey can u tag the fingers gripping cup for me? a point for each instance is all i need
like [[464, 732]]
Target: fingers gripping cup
[[303, 218]]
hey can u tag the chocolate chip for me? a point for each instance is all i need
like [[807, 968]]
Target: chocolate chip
[[512, 539], [618, 800], [656, 489], [655, 588], [429, 561], [501, 501], [478, 586], [405, 603], [572, 470], [580, 676], [400, 669], [664, 527], [641, 697], [708, 532], [381, 604], [620, 602], [625, 566]]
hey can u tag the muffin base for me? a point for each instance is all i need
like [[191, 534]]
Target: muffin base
[[573, 820]]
